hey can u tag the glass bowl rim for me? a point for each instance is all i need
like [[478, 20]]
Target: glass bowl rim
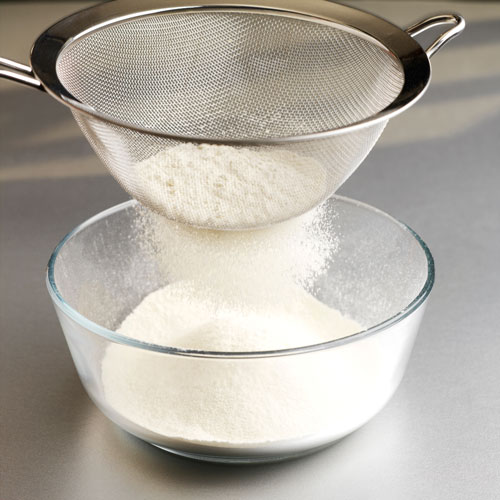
[[115, 337]]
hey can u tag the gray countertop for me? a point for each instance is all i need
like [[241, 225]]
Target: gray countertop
[[437, 168]]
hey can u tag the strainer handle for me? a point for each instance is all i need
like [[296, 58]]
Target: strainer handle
[[431, 22], [21, 74]]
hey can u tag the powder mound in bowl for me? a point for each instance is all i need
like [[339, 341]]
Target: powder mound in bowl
[[223, 187], [196, 315], [231, 402]]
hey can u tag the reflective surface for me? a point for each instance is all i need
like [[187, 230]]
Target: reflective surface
[[436, 168]]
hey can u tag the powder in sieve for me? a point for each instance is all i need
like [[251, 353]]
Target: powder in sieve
[[221, 186]]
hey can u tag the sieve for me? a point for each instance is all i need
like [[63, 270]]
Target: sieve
[[311, 84]]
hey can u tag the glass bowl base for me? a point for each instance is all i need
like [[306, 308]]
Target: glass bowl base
[[243, 460]]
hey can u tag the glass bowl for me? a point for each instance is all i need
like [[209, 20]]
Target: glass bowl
[[382, 276]]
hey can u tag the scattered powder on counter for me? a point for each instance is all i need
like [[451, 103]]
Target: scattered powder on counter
[[217, 186]]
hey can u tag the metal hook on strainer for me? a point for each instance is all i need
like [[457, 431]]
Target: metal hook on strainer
[[231, 115]]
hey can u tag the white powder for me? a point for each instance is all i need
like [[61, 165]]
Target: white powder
[[230, 401], [221, 187], [236, 292]]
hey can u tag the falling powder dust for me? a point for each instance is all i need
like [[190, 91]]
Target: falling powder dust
[[297, 250]]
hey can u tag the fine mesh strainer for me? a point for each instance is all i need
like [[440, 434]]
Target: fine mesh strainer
[[231, 115]]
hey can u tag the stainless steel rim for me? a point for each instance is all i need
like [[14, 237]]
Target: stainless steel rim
[[113, 336], [413, 59]]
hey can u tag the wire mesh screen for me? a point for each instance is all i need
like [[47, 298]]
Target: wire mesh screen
[[233, 75]]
